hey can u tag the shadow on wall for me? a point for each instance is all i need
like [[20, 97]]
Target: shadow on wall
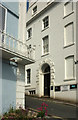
[[8, 71], [21, 73], [8, 86]]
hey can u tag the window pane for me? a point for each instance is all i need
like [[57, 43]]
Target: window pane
[[34, 9], [28, 75], [69, 68], [45, 45], [68, 8], [28, 80], [29, 32], [46, 22], [2, 18], [69, 34]]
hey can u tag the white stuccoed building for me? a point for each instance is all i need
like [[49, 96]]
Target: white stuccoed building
[[51, 29]]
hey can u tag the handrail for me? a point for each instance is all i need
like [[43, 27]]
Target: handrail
[[12, 37], [10, 43]]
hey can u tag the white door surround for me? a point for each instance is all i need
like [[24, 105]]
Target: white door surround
[[40, 77]]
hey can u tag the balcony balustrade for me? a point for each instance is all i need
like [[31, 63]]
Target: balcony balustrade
[[12, 45]]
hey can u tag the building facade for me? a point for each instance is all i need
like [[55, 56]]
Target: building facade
[[51, 28], [14, 55]]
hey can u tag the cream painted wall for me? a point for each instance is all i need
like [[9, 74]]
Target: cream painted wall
[[22, 22], [20, 86]]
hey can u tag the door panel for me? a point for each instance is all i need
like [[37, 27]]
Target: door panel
[[47, 84]]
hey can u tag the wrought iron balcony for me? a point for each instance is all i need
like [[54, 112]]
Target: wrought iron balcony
[[12, 47]]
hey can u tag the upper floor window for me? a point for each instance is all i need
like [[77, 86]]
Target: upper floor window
[[29, 33], [28, 76], [68, 8], [45, 45], [2, 20], [45, 22], [2, 17], [69, 67], [69, 34], [34, 9]]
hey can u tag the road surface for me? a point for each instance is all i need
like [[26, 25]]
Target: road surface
[[55, 108]]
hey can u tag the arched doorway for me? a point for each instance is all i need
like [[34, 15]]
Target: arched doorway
[[46, 76]]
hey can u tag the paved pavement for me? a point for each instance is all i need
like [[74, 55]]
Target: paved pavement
[[58, 110]]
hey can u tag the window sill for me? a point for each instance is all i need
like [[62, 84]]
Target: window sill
[[68, 14], [45, 54], [50, 1], [69, 45], [27, 85], [33, 14], [70, 79], [45, 28], [29, 38]]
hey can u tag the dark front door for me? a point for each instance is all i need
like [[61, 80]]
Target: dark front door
[[47, 84]]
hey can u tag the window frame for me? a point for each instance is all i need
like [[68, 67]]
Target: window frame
[[5, 17], [34, 12], [28, 77], [72, 43], [65, 6], [65, 74], [29, 30], [44, 22], [5, 24], [45, 53]]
